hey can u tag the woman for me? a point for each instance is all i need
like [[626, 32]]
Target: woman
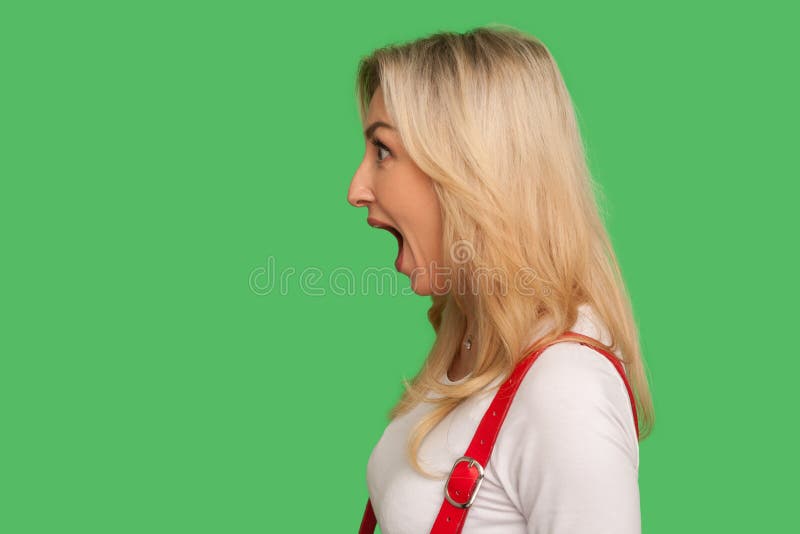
[[475, 163]]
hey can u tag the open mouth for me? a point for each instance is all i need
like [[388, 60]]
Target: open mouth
[[396, 233]]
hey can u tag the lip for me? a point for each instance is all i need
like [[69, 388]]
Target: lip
[[372, 221], [376, 223]]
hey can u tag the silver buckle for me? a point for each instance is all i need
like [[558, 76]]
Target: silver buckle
[[472, 463]]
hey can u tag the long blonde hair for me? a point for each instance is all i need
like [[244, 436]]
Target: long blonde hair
[[487, 116]]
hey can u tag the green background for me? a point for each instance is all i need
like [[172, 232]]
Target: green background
[[154, 156]]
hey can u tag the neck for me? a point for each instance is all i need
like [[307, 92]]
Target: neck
[[469, 322]]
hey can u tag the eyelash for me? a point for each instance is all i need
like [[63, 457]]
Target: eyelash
[[380, 146]]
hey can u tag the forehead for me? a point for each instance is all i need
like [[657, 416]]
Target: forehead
[[377, 111]]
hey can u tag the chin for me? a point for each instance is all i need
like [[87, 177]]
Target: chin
[[420, 281], [420, 286]]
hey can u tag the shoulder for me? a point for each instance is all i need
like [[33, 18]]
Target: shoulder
[[573, 375], [568, 446], [571, 390], [572, 404]]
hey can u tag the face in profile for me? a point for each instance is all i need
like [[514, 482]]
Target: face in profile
[[399, 198]]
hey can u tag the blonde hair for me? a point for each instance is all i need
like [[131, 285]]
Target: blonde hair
[[487, 116]]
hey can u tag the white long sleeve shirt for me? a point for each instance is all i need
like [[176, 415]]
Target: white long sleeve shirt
[[566, 460]]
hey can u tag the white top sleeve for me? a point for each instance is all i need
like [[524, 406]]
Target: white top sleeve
[[572, 467]]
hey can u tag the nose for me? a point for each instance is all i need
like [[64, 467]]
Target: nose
[[360, 192]]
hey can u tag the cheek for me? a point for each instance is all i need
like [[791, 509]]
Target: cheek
[[433, 231], [427, 242], [409, 199]]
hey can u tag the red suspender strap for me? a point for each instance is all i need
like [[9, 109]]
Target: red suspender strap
[[467, 473], [369, 521]]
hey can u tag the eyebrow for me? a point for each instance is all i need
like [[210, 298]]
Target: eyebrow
[[374, 126]]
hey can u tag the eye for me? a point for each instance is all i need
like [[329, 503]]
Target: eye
[[380, 146]]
